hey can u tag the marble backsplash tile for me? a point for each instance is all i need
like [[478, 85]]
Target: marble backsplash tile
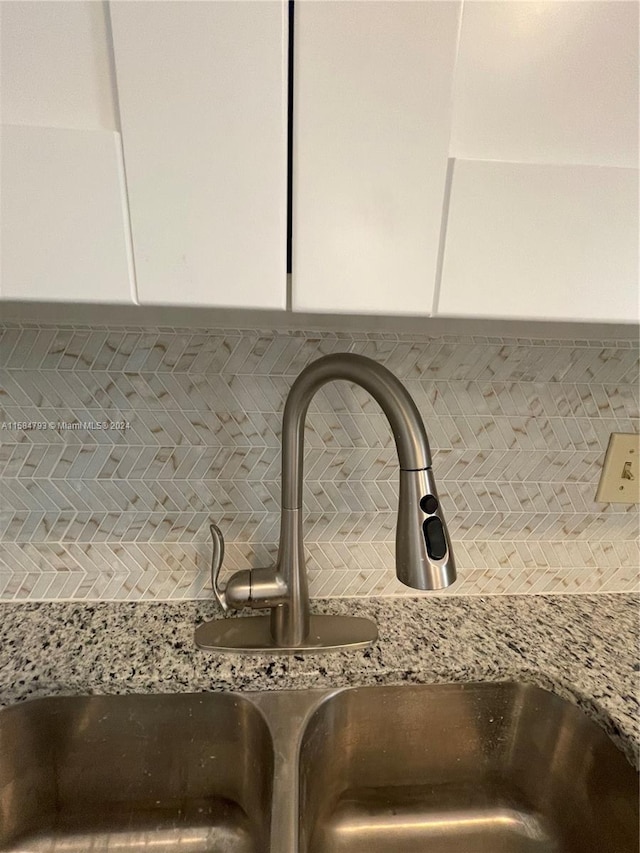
[[117, 446]]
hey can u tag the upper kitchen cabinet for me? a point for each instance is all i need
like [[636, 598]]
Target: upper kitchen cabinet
[[202, 91], [64, 225], [372, 111], [542, 242], [55, 65], [543, 209], [550, 82]]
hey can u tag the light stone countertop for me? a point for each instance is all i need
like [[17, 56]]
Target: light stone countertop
[[582, 647]]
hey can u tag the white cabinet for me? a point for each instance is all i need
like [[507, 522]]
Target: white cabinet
[[55, 65], [547, 82], [372, 103], [542, 242], [199, 92], [64, 225], [202, 89], [398, 103], [543, 211], [468, 159]]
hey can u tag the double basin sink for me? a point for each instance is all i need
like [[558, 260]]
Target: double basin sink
[[470, 768]]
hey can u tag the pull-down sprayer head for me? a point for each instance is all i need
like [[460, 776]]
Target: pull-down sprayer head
[[424, 559]]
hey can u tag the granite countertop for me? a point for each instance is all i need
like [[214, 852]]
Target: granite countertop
[[582, 647]]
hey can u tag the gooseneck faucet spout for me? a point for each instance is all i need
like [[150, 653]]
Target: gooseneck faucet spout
[[394, 400], [424, 559]]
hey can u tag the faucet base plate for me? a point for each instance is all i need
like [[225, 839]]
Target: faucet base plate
[[252, 635]]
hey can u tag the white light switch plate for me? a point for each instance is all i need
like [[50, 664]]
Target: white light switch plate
[[620, 478]]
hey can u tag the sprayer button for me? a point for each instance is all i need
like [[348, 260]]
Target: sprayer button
[[435, 538], [429, 504]]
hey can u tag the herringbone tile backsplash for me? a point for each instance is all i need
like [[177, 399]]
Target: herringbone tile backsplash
[[117, 446]]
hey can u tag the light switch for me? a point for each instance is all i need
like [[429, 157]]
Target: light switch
[[620, 478]]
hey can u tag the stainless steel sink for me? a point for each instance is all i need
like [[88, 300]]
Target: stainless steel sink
[[478, 768], [123, 773]]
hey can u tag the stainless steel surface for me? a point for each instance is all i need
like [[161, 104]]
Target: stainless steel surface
[[127, 773], [217, 556], [476, 768], [390, 394], [248, 636], [414, 566], [465, 768], [423, 561]]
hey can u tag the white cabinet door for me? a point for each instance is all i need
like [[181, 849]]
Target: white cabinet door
[[372, 104], [64, 225], [202, 92], [541, 242], [55, 65], [547, 82]]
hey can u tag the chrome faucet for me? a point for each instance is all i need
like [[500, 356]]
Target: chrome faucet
[[424, 559]]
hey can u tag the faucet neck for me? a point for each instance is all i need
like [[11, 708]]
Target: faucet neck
[[406, 424]]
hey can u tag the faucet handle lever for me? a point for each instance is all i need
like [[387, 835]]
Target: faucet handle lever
[[216, 563]]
